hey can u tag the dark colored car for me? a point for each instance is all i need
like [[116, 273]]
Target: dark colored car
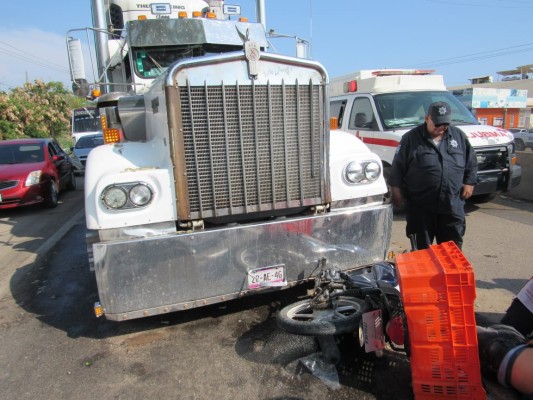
[[33, 171]]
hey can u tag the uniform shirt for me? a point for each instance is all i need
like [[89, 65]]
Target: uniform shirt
[[432, 177]]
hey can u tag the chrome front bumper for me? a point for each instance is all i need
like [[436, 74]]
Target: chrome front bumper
[[149, 276]]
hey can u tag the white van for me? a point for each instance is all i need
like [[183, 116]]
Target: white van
[[379, 106]]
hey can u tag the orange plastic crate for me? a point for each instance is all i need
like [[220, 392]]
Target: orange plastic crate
[[438, 293]]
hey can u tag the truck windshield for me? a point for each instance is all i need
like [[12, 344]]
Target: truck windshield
[[150, 62], [406, 109]]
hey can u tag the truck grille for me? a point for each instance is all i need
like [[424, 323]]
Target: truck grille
[[251, 148], [492, 159]]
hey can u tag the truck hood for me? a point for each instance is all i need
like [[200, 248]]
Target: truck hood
[[481, 135], [485, 135]]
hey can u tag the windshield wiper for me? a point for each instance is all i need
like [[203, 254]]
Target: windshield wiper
[[402, 124], [463, 121]]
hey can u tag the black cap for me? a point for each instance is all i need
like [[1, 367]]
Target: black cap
[[440, 112]]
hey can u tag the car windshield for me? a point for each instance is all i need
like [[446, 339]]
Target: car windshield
[[89, 142], [21, 153], [407, 109]]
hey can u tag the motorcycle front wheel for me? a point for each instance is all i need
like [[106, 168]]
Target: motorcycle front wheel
[[301, 318]]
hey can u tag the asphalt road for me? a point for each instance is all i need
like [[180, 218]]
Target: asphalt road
[[54, 348]]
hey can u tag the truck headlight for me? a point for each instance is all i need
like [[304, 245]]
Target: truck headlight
[[127, 195], [362, 172], [372, 171], [140, 195], [354, 172], [114, 197]]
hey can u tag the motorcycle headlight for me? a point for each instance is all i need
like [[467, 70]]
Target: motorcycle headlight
[[33, 178], [362, 172]]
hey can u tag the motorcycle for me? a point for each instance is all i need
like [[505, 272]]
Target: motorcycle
[[366, 301]]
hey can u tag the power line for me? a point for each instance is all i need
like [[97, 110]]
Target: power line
[[31, 55], [475, 56], [527, 4], [36, 61]]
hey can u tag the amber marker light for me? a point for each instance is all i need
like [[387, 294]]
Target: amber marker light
[[98, 310], [333, 123], [182, 14], [111, 135], [210, 15], [196, 14]]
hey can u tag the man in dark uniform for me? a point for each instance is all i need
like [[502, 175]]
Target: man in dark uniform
[[433, 172]]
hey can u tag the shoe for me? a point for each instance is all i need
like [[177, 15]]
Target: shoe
[[493, 344]]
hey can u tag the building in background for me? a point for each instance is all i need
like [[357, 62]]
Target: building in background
[[506, 103]]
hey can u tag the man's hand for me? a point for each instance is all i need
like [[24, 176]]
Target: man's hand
[[397, 197], [467, 191]]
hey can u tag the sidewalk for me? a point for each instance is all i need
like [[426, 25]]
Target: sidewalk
[[524, 191]]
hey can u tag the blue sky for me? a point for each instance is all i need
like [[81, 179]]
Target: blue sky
[[460, 39]]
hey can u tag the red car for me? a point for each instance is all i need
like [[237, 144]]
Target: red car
[[33, 171]]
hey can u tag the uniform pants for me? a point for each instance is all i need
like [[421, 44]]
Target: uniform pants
[[428, 226]]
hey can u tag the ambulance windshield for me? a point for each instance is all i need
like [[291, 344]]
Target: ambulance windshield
[[406, 109]]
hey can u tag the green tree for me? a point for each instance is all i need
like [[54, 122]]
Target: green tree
[[37, 109]]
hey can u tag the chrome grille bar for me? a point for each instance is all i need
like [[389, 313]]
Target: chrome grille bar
[[195, 147], [210, 146], [226, 135], [271, 135], [284, 97]]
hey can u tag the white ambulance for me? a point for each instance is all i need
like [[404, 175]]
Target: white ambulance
[[379, 106]]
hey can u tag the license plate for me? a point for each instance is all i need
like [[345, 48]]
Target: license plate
[[372, 331], [267, 277]]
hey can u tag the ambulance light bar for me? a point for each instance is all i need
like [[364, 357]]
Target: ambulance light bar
[[351, 86], [404, 72]]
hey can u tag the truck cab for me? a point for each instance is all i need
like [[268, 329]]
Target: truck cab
[[219, 177], [379, 106]]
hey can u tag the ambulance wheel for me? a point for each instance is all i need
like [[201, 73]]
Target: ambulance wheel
[[519, 145], [483, 198], [301, 318]]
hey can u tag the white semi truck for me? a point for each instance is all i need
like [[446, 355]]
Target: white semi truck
[[219, 178], [380, 106]]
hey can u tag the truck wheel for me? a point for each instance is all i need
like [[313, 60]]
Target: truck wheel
[[301, 318], [519, 145], [51, 200]]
